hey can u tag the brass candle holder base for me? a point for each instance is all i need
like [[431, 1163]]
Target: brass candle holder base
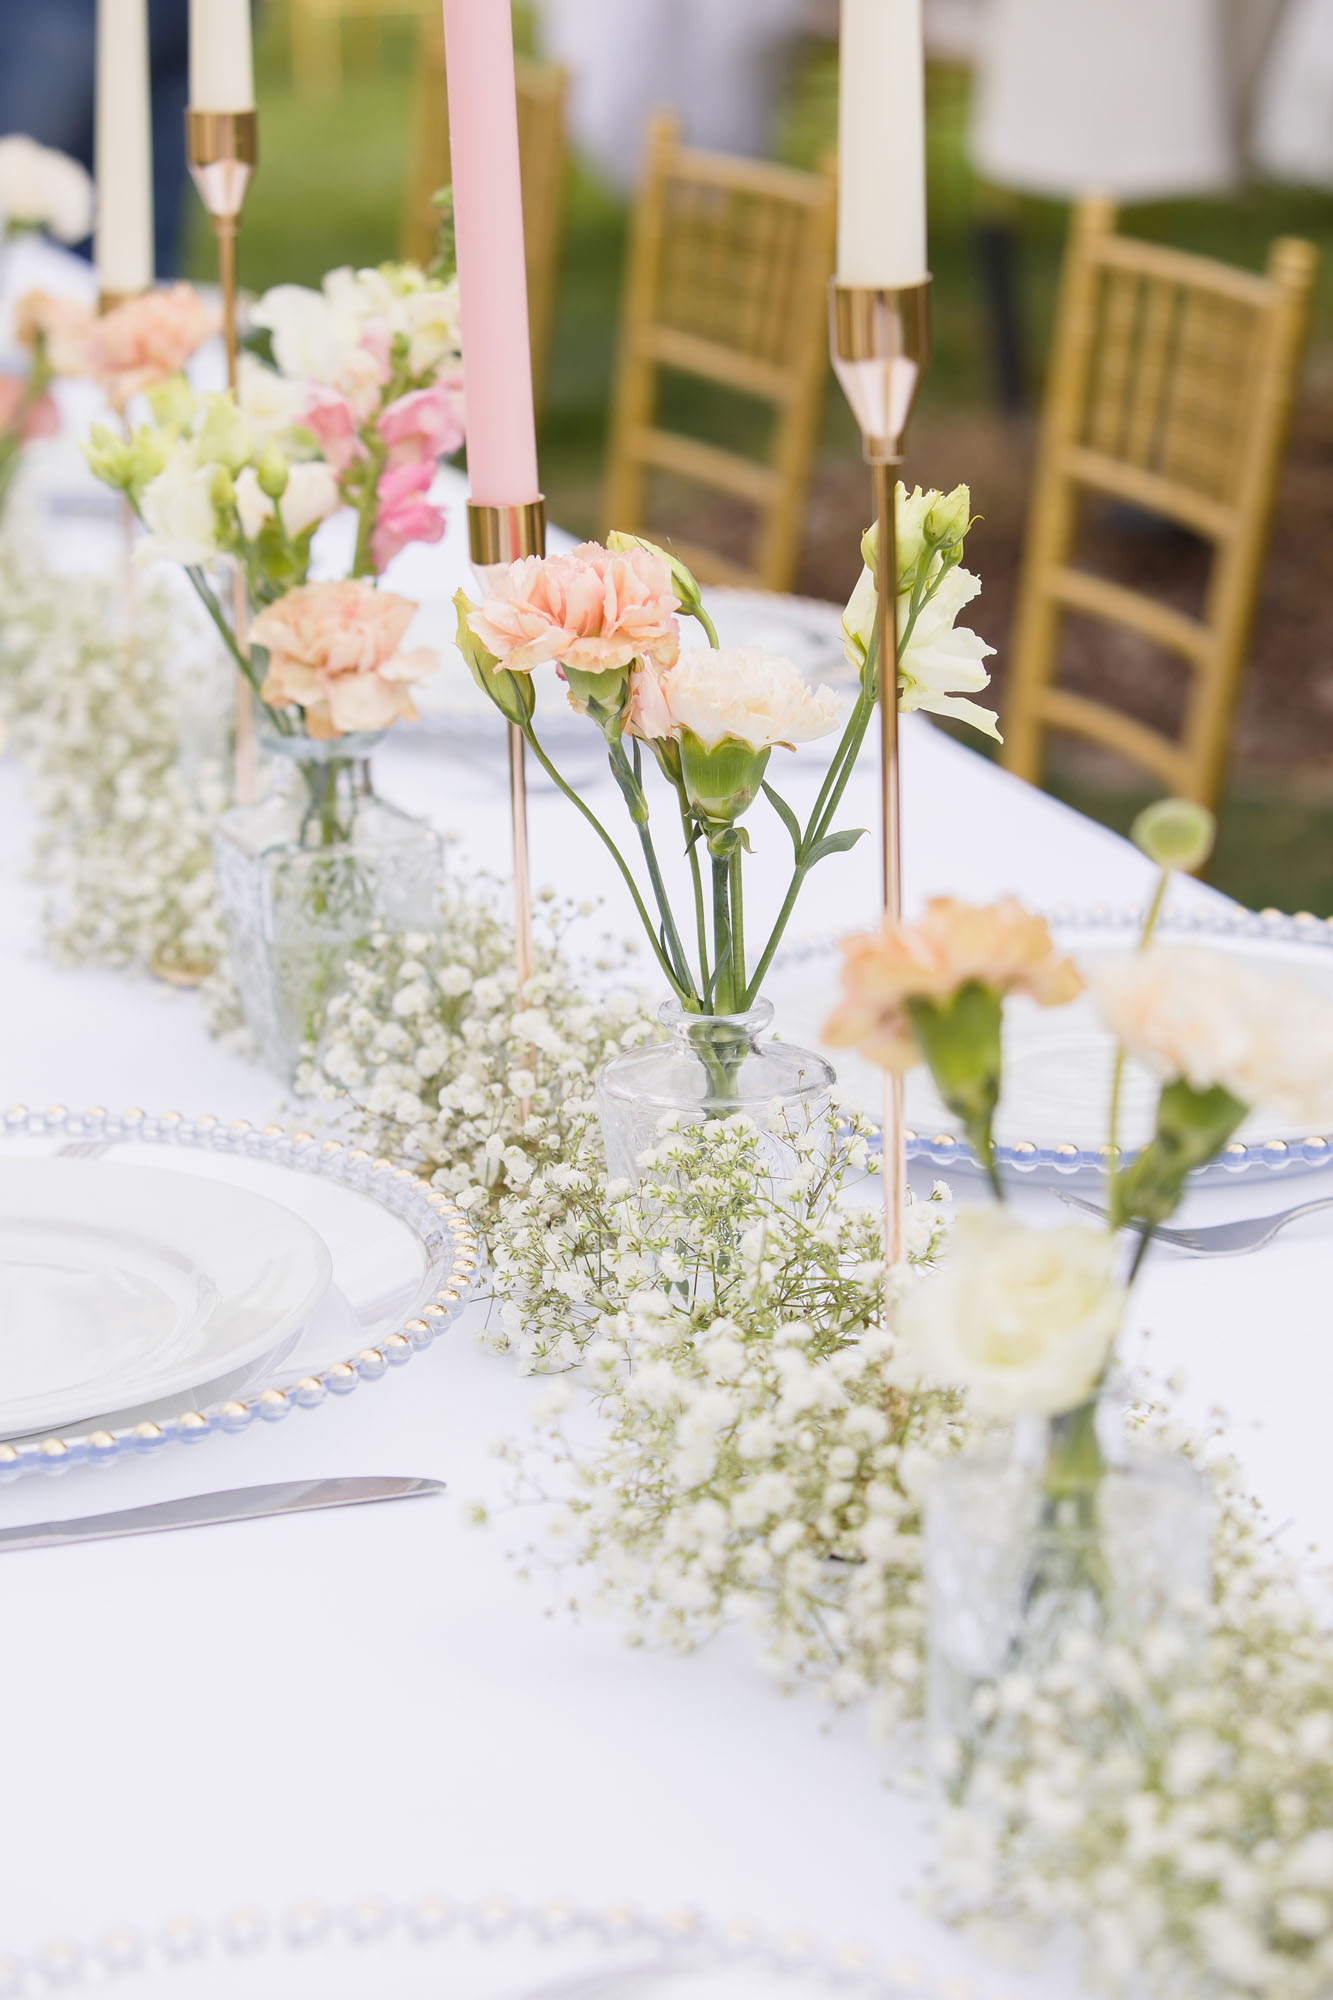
[[222, 148], [880, 342], [498, 536]]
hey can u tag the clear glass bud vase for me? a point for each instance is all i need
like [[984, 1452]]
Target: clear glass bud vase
[[1043, 1549], [306, 875], [711, 1066]]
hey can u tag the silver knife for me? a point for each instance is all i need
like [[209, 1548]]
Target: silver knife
[[201, 1510]]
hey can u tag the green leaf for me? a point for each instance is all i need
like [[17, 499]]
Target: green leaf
[[786, 815], [834, 843]]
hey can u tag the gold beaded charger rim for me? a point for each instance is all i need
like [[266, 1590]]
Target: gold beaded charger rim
[[1060, 1062], [448, 1239]]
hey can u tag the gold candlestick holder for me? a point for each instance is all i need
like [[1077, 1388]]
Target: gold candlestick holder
[[222, 148], [498, 536], [880, 342]]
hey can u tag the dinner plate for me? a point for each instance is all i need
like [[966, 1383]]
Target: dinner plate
[[1052, 1116], [120, 1284]]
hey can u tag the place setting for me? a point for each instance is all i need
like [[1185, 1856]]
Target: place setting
[[692, 1098]]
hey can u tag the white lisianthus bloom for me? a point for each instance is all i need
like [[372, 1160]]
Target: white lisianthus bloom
[[310, 496], [43, 189], [942, 661], [748, 695], [1210, 1018], [271, 401], [179, 513], [429, 320], [1022, 1319], [313, 341]]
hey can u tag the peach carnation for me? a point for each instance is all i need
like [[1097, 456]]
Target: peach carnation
[[140, 342], [64, 325], [333, 652], [999, 945], [593, 609]]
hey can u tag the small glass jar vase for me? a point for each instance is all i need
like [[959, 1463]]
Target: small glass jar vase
[[306, 875], [711, 1066], [1061, 1528]]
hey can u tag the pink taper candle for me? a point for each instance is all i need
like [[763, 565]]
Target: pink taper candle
[[492, 277]]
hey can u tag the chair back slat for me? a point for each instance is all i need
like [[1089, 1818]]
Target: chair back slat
[[1171, 384], [541, 91], [726, 278]]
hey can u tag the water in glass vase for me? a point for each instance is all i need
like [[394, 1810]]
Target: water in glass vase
[[306, 876], [1063, 1529], [711, 1066]]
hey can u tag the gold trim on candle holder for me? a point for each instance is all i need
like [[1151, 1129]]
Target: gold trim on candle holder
[[222, 148], [879, 338], [498, 536]]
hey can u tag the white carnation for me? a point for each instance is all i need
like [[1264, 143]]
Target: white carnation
[[43, 189], [742, 692]]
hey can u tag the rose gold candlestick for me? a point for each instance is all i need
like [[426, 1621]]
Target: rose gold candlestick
[[222, 148], [498, 536], [880, 342]]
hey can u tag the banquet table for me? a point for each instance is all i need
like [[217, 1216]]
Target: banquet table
[[370, 1700]]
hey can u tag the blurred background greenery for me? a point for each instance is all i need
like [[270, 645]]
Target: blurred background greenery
[[329, 191]]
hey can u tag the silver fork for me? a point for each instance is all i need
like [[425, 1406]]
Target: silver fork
[[1219, 1239]]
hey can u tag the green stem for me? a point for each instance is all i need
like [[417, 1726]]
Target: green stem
[[696, 877], [1115, 1216], [738, 928], [674, 947], [682, 993], [697, 612], [363, 563], [282, 723], [724, 992]]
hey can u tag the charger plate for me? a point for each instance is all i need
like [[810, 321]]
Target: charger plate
[[494, 1949], [1051, 1119], [404, 1260]]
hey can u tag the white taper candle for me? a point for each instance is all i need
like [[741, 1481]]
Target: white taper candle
[[222, 70], [881, 144], [123, 149]]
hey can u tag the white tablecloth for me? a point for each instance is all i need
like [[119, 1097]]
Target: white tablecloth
[[370, 1700]]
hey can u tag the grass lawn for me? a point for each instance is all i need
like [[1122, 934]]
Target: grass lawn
[[328, 191]]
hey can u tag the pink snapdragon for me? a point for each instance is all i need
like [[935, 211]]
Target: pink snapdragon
[[592, 609], [403, 513], [331, 417], [425, 425]]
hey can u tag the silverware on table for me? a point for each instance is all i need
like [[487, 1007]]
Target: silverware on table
[[199, 1510], [1219, 1239]]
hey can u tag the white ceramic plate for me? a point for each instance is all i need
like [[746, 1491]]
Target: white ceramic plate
[[121, 1284], [1058, 1060]]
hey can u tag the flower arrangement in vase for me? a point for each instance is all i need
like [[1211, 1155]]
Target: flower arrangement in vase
[[40, 189], [361, 401], [694, 730], [1068, 1531]]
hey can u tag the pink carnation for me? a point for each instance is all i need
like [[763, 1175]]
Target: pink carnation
[[591, 609], [140, 342], [423, 426], [403, 514], [333, 651], [331, 417]]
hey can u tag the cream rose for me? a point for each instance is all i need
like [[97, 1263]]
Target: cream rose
[[747, 695], [1212, 1019], [1022, 1320]]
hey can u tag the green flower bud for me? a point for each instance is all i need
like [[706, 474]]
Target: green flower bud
[[225, 437], [129, 463], [723, 782], [686, 584], [928, 524], [221, 490], [512, 693], [172, 403], [272, 472], [1175, 833]]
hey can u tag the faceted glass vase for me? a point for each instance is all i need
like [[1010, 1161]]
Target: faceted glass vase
[[711, 1066], [1018, 1561], [306, 876]]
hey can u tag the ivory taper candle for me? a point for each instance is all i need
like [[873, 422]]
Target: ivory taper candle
[[492, 276], [123, 149], [881, 144], [222, 71]]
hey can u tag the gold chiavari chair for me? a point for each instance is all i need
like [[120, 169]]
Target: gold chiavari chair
[[728, 267], [541, 150], [1170, 389], [316, 27]]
